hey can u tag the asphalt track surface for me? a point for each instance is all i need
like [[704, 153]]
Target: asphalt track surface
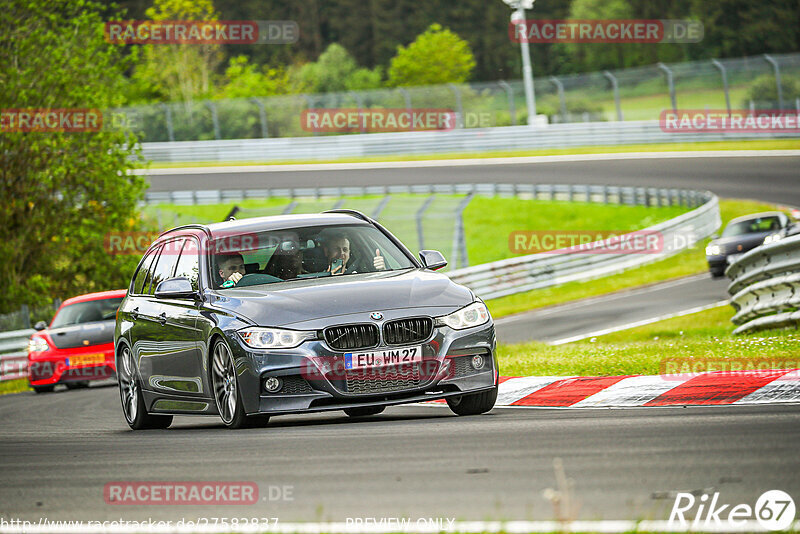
[[559, 323], [57, 452], [772, 178]]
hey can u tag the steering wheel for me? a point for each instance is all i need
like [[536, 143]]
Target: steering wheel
[[254, 279]]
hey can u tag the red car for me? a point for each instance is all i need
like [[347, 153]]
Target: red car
[[78, 346]]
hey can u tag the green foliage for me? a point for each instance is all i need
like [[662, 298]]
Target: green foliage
[[177, 72], [436, 56], [61, 191], [764, 91], [336, 70], [245, 80]]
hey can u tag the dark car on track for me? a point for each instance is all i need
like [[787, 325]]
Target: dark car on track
[[78, 344], [740, 235], [291, 337]]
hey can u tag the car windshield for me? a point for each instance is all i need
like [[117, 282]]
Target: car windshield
[[753, 226], [87, 312], [298, 253]]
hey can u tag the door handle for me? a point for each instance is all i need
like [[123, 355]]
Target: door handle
[[162, 318], [135, 313]]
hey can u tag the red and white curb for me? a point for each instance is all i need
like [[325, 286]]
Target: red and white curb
[[715, 388]]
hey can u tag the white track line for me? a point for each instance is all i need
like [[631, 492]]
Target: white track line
[[643, 322], [302, 167]]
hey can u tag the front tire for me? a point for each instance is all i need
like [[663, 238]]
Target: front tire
[[474, 404], [130, 393], [364, 411], [227, 393]]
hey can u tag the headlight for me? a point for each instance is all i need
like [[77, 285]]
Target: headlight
[[772, 238], [713, 250], [475, 314], [37, 344], [274, 338]]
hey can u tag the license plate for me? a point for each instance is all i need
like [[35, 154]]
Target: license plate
[[382, 358], [86, 359]]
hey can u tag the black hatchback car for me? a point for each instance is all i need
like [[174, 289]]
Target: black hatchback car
[[740, 235], [299, 313]]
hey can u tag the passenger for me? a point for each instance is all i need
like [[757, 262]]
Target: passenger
[[230, 268], [287, 261]]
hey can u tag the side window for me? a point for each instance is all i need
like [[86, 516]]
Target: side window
[[165, 265], [144, 271], [189, 263]]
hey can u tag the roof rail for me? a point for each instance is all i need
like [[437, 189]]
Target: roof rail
[[187, 227], [354, 213]]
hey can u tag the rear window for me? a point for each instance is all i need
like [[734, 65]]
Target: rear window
[[87, 312]]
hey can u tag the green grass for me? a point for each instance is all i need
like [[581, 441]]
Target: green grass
[[683, 264], [643, 350], [14, 386], [767, 144]]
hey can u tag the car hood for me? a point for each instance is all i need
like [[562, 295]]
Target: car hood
[[82, 335], [748, 241], [305, 300]]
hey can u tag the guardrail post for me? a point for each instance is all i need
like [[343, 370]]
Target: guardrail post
[[214, 119], [168, 119], [512, 110], [420, 214], [605, 194], [724, 74], [360, 104], [777, 70], [563, 103], [262, 115], [459, 107], [615, 87], [671, 84]]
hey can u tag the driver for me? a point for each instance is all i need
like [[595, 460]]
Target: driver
[[230, 268], [337, 247]]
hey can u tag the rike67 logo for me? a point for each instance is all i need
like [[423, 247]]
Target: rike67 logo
[[774, 510]]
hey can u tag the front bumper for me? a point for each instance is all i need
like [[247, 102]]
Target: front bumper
[[314, 378], [57, 366]]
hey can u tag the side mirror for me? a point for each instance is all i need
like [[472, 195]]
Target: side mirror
[[179, 287], [432, 259], [41, 325]]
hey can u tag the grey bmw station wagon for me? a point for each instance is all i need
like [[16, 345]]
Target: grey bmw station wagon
[[299, 313]]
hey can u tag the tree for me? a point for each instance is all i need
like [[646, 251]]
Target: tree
[[62, 192], [245, 80], [179, 72], [436, 56], [336, 70]]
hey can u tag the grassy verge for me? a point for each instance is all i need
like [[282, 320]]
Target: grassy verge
[[787, 144], [14, 386], [683, 264], [642, 350]]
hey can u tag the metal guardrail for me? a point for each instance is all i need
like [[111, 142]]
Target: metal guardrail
[[13, 354], [765, 286], [454, 141], [535, 271]]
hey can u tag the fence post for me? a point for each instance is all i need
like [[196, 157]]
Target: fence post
[[459, 238], [615, 87], [262, 115], [379, 209], [26, 316], [561, 99], [512, 110], [407, 98], [671, 84], [310, 105], [168, 119], [459, 107], [214, 119], [360, 104], [420, 213], [777, 69], [724, 74]]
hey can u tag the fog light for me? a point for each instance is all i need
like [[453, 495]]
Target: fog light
[[273, 384], [478, 362]]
